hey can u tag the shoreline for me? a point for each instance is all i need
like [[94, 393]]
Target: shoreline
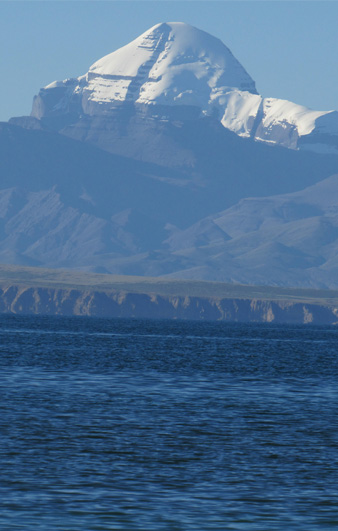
[[35, 291]]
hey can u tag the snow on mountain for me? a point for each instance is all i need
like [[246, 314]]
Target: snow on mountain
[[250, 115], [279, 121], [170, 64], [174, 65]]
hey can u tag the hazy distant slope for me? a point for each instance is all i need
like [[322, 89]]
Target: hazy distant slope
[[289, 239], [66, 204]]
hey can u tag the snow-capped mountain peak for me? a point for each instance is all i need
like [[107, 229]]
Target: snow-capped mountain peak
[[177, 69], [170, 63]]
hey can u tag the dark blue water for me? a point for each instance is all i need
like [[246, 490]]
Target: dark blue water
[[145, 425]]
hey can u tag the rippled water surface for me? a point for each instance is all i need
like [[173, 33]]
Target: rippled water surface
[[158, 425]]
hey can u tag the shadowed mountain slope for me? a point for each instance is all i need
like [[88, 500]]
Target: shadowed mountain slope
[[66, 204]]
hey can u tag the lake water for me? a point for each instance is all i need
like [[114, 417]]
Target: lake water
[[159, 425]]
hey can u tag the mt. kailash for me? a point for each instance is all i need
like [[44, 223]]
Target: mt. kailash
[[175, 65], [144, 165]]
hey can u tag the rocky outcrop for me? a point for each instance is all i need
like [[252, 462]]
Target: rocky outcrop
[[18, 299]]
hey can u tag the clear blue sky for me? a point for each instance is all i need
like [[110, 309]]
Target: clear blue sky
[[289, 48]]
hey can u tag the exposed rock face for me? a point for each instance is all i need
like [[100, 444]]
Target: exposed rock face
[[52, 301]]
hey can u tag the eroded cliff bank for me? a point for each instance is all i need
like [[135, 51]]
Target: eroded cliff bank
[[19, 299]]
